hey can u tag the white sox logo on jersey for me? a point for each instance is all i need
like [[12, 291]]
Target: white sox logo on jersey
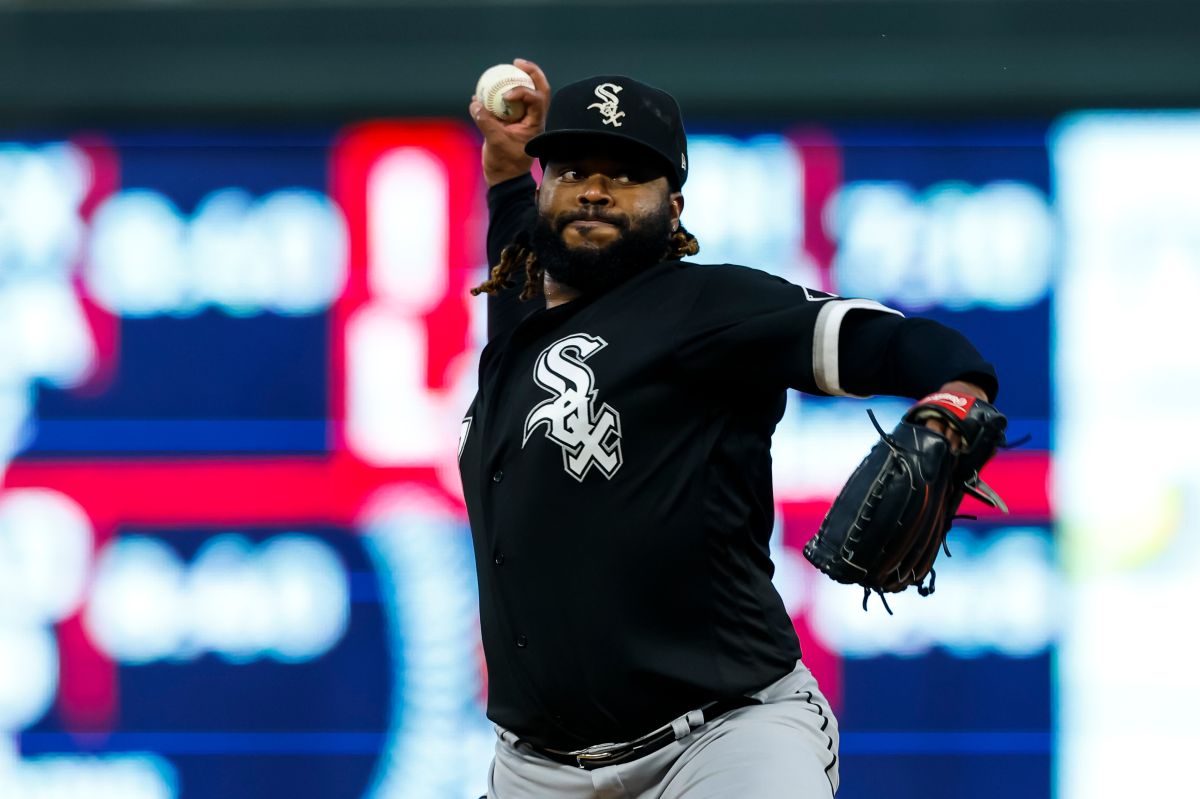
[[588, 436], [608, 109]]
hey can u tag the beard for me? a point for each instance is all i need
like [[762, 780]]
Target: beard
[[590, 269]]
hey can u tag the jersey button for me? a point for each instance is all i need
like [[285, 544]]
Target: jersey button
[[499, 559], [498, 476], [522, 641]]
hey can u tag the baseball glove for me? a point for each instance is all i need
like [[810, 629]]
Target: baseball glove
[[885, 528]]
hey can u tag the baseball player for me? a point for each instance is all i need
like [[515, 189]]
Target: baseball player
[[617, 470]]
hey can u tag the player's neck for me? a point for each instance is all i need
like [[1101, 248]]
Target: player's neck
[[557, 293]]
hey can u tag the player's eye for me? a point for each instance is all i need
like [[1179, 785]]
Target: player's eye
[[570, 175], [624, 179]]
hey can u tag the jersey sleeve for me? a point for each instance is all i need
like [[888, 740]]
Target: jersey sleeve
[[747, 327], [511, 212], [909, 358]]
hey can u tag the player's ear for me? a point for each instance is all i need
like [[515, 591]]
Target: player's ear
[[676, 200]]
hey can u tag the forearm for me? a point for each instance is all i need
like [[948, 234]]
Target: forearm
[[495, 174], [510, 211], [911, 358], [506, 169]]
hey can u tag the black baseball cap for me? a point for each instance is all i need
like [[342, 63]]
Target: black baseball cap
[[619, 108]]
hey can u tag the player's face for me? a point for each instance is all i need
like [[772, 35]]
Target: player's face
[[593, 200]]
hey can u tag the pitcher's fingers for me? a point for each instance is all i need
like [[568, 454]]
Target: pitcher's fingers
[[535, 103], [525, 95], [939, 426], [535, 107], [487, 122], [534, 71]]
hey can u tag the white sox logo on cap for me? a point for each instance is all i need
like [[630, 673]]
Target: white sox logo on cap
[[608, 109]]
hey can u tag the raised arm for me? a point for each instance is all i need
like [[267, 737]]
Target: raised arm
[[506, 169]]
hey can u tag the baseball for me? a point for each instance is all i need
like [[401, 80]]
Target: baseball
[[497, 80]]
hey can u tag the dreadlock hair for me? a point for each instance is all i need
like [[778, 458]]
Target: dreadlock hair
[[520, 257]]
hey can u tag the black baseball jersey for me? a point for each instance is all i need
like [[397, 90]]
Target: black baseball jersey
[[617, 472]]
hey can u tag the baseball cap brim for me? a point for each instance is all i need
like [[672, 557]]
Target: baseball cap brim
[[575, 142]]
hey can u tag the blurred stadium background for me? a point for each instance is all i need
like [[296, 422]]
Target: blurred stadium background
[[235, 347]]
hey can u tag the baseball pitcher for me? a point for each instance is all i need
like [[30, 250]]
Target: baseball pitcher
[[616, 464]]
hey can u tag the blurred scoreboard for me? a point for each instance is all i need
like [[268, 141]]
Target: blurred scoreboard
[[233, 553]]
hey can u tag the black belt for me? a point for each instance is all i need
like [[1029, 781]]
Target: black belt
[[611, 754]]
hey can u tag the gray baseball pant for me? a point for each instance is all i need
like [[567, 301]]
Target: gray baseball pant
[[785, 747]]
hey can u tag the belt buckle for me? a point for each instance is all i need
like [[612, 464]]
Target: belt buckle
[[583, 756], [616, 752]]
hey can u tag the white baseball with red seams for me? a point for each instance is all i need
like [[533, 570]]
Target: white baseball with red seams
[[494, 83]]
